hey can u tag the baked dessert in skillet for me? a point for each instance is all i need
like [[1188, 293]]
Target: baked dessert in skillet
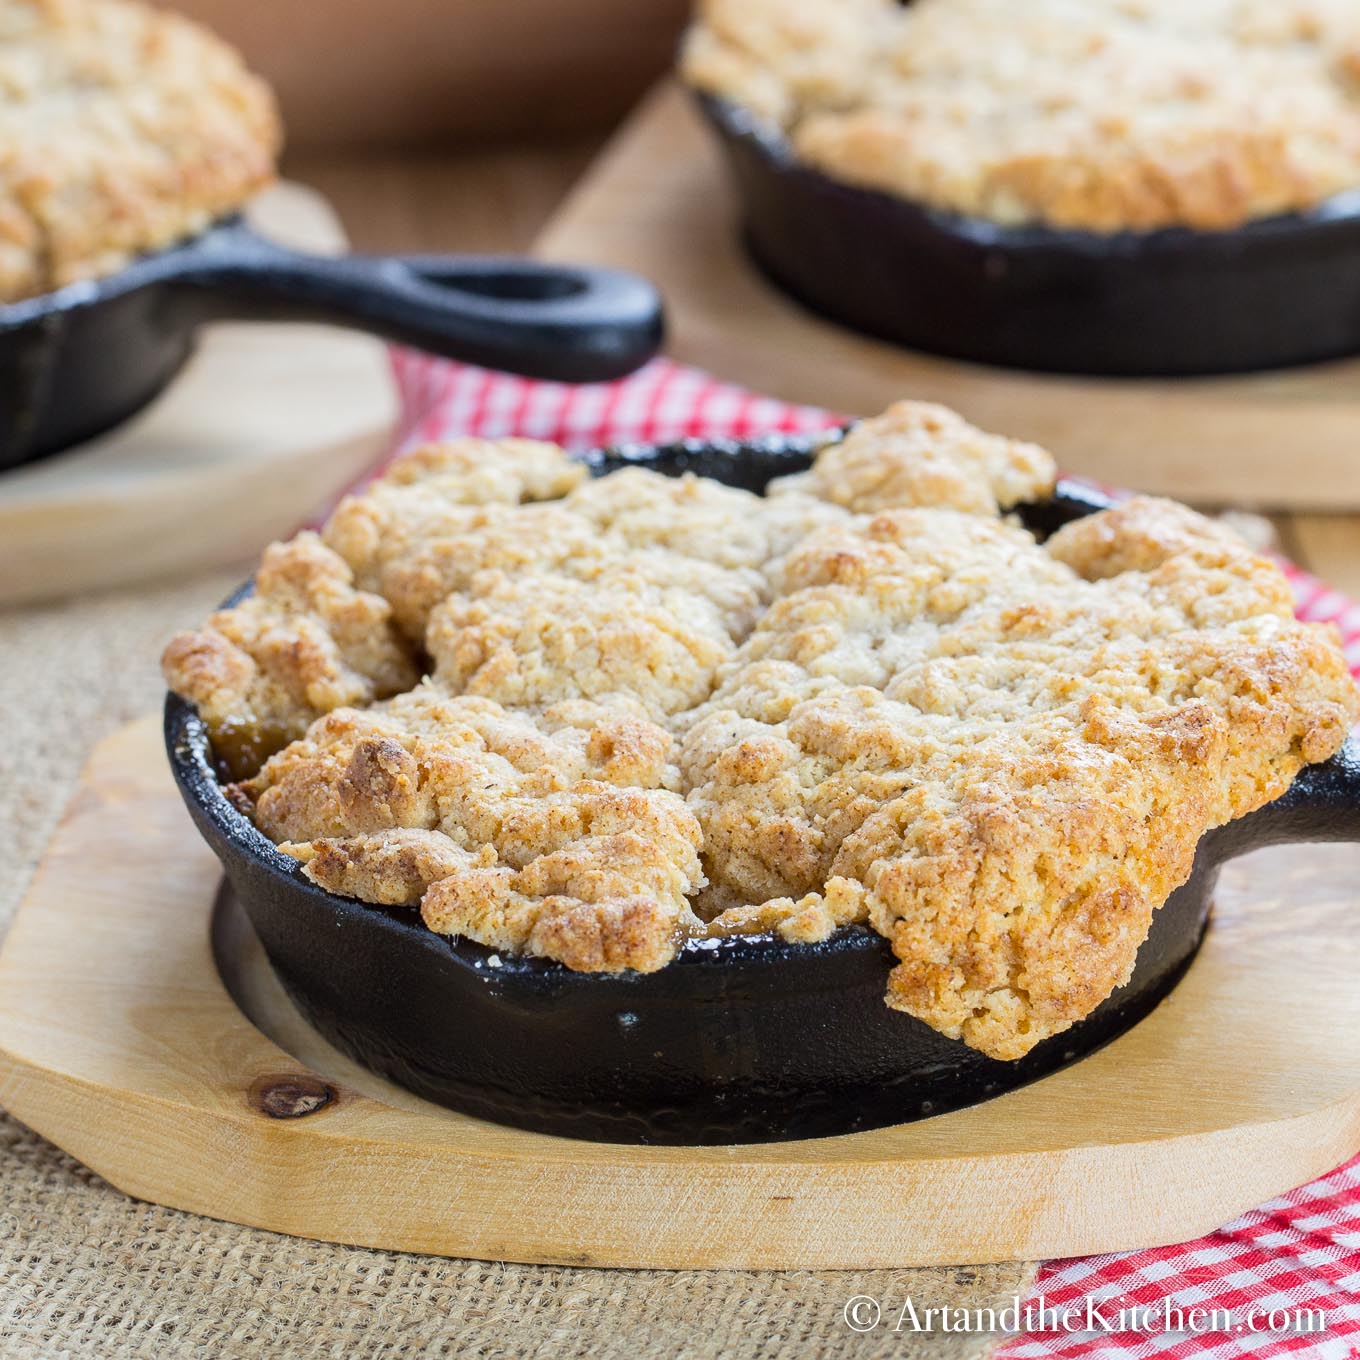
[[1102, 115], [1107, 187], [591, 719], [123, 129]]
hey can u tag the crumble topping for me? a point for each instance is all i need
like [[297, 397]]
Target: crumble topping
[[917, 453], [123, 129], [1102, 115], [304, 643], [657, 708]]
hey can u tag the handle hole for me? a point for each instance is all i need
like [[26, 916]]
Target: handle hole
[[509, 285]]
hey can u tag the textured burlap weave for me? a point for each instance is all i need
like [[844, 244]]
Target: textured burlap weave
[[84, 1271]]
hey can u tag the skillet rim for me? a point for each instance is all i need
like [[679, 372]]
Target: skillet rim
[[743, 124], [722, 1072], [1172, 304]]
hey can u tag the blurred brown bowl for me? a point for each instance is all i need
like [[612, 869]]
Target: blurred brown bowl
[[354, 73]]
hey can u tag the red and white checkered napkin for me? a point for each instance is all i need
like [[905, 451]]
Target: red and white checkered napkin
[[1301, 1250]]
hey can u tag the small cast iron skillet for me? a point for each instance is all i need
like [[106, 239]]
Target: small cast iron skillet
[[738, 1040], [1174, 302], [79, 360]]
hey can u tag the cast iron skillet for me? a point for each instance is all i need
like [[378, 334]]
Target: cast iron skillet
[[1175, 302], [738, 1040], [79, 360]]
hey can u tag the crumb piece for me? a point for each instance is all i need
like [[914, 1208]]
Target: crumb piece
[[810, 920], [538, 639], [392, 868], [916, 454]]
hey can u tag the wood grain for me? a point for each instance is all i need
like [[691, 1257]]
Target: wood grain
[[265, 423], [119, 1042], [657, 201]]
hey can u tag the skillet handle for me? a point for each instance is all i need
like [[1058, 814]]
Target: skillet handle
[[561, 322], [1322, 804]]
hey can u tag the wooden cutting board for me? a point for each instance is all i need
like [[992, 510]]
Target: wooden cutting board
[[657, 201], [120, 1041], [263, 425]]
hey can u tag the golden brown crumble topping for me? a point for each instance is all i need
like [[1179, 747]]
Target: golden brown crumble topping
[[123, 129], [1101, 115], [304, 643], [660, 707]]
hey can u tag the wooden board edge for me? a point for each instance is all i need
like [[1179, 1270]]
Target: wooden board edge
[[763, 1212], [38, 567], [337, 1193], [657, 200], [82, 527]]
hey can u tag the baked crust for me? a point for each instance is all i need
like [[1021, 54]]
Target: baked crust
[[1100, 115], [546, 833], [122, 130], [303, 643], [659, 707]]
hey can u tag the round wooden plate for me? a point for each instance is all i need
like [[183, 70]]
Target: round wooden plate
[[120, 1042], [265, 424]]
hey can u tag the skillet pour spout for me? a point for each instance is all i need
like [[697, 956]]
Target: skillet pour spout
[[740, 1039]]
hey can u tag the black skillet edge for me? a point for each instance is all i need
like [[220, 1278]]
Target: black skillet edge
[[739, 1040], [1174, 302]]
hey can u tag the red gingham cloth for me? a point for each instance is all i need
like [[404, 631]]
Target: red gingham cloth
[[1301, 1250]]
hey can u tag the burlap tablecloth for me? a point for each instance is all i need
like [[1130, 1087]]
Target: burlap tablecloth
[[84, 1271]]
